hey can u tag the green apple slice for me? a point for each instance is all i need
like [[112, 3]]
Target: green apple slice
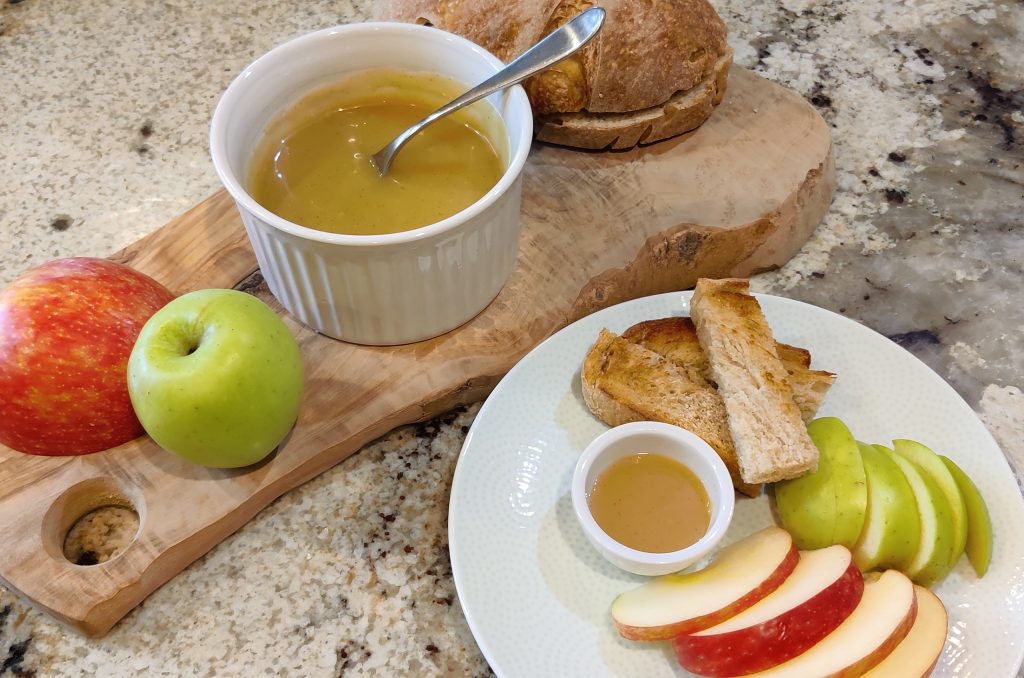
[[934, 555], [931, 464], [807, 507], [827, 506], [979, 524], [892, 528], [848, 477]]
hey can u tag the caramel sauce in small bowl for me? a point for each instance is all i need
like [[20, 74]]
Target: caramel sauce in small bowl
[[652, 498], [650, 502]]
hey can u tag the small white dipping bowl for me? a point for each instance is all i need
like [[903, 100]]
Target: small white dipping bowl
[[671, 441], [374, 289]]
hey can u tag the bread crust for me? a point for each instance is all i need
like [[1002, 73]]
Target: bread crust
[[505, 29], [649, 51], [683, 112]]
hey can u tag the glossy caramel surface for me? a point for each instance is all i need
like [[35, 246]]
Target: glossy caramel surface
[[313, 165], [650, 502]]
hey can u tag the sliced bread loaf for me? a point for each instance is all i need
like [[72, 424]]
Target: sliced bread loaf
[[683, 112]]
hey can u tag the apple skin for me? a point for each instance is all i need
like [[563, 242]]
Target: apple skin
[[216, 377], [930, 463], [67, 328], [826, 506], [935, 552], [881, 620], [788, 634], [979, 523], [664, 607], [892, 527], [848, 478]]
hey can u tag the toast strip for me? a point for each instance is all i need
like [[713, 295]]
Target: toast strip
[[767, 429]]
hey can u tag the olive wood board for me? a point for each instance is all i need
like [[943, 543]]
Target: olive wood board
[[739, 195]]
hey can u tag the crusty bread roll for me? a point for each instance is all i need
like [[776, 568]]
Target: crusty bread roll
[[654, 71]]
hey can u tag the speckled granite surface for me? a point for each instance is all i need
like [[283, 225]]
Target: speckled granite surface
[[103, 115]]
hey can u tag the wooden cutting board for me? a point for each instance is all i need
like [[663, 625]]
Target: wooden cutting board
[[739, 195]]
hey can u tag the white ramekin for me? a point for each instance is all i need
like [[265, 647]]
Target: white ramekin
[[384, 289], [671, 441]]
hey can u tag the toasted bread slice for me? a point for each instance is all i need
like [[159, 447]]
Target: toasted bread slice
[[809, 386], [676, 339], [767, 429], [623, 382]]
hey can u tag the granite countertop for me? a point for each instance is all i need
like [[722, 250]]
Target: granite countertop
[[104, 110]]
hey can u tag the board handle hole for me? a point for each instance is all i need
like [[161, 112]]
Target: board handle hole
[[92, 522], [101, 535]]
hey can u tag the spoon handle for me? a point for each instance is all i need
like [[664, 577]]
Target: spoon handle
[[555, 47]]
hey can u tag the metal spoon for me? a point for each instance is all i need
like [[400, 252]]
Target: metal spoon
[[558, 45]]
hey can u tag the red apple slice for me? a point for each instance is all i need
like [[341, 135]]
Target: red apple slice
[[742, 574], [875, 627], [821, 592], [915, 657]]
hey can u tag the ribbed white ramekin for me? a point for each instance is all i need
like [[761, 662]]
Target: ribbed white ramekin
[[384, 289]]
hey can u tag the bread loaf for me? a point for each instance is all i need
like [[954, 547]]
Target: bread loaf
[[654, 71]]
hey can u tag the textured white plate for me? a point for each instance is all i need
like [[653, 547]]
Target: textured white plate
[[537, 595]]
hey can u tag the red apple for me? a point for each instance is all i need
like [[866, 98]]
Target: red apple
[[916, 656], [876, 626], [821, 592], [741, 574], [67, 328]]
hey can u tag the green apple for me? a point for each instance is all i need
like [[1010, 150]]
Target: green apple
[[979, 524], [934, 555], [931, 464], [892, 527], [216, 377], [827, 506]]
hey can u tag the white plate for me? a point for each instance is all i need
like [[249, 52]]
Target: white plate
[[536, 594]]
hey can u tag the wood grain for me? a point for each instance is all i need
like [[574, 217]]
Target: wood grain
[[739, 195]]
